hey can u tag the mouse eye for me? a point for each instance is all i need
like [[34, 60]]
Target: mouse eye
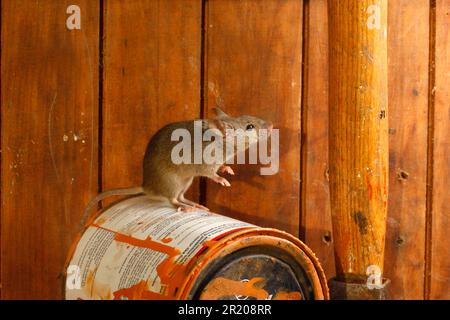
[[250, 127]]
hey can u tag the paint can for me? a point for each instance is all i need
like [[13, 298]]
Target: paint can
[[137, 249]]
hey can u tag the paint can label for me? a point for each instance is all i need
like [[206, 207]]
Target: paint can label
[[130, 250]]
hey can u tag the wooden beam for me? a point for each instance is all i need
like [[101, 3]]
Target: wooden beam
[[358, 147]]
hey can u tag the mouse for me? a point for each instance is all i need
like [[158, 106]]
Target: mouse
[[165, 180]]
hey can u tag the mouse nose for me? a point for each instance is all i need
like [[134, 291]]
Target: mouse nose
[[269, 126]]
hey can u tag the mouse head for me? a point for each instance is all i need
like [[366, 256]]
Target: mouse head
[[245, 126]]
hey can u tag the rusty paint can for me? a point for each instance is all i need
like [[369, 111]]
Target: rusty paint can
[[136, 249]]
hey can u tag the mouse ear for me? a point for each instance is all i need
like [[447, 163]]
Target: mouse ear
[[217, 124], [220, 113]]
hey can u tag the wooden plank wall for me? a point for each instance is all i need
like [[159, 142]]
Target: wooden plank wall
[[408, 105], [49, 113], [267, 85], [439, 242], [78, 107], [316, 215], [151, 77]]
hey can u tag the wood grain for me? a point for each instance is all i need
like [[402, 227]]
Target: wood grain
[[408, 103], [151, 78], [440, 253], [316, 216], [358, 134], [50, 117], [253, 66], [49, 103]]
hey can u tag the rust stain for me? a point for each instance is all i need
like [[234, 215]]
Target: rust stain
[[97, 291], [100, 291], [101, 221], [89, 279]]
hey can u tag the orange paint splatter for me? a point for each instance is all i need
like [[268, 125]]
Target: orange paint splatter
[[220, 287], [294, 295], [89, 279], [147, 243], [171, 274], [210, 243], [138, 292], [370, 188], [101, 221], [166, 240], [385, 181]]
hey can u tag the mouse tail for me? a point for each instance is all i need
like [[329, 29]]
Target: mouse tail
[[113, 192]]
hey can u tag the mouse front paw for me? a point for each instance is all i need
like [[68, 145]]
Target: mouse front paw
[[226, 169], [222, 181]]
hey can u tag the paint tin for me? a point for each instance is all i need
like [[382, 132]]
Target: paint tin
[[136, 249]]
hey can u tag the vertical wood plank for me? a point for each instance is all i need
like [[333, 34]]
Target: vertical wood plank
[[49, 101], [408, 102], [440, 254], [1, 158], [253, 66], [316, 216], [151, 78]]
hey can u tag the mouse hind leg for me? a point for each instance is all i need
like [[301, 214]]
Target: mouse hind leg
[[176, 187], [167, 186], [187, 202], [192, 203]]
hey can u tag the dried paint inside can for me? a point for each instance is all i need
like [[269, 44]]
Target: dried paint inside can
[[138, 249]]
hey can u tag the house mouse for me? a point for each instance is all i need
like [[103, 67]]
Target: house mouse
[[167, 180]]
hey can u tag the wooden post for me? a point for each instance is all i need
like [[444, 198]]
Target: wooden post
[[358, 147]]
